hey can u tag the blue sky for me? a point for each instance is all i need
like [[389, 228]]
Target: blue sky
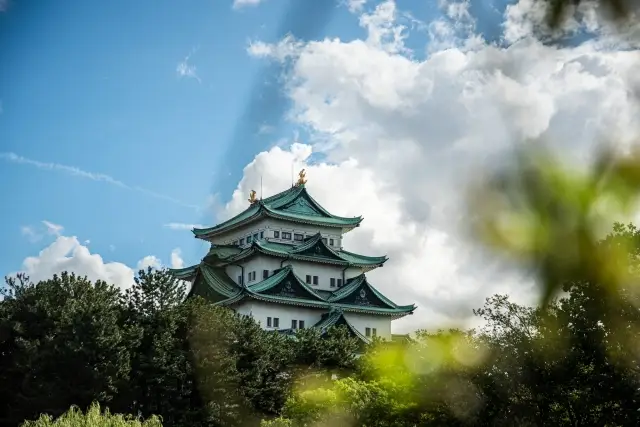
[[96, 86], [118, 118], [158, 95]]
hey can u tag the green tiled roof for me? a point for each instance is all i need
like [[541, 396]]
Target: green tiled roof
[[313, 250], [186, 273], [221, 252], [294, 204], [285, 275], [359, 291], [335, 317], [285, 287]]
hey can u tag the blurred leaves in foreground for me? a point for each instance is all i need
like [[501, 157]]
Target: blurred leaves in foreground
[[552, 217]]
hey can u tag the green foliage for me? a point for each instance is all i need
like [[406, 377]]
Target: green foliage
[[93, 418], [147, 351], [62, 345], [162, 375], [547, 215]]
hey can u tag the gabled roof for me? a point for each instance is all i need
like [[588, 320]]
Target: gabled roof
[[294, 204], [215, 285], [334, 318], [358, 291], [285, 287], [187, 273], [285, 284], [312, 250]]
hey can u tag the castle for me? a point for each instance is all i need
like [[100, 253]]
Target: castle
[[281, 261]]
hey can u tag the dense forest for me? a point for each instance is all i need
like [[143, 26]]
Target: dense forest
[[66, 342]]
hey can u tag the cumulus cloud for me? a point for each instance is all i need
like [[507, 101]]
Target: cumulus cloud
[[399, 138], [67, 253], [176, 258]]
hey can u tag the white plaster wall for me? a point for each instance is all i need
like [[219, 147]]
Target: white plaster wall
[[324, 272], [363, 321], [269, 225], [286, 313], [261, 310], [256, 263], [244, 308]]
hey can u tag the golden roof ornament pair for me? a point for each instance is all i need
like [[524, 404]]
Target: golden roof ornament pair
[[302, 180]]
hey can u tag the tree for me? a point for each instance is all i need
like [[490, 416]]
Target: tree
[[63, 344], [162, 376]]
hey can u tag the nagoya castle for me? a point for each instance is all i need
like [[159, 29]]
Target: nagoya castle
[[281, 261]]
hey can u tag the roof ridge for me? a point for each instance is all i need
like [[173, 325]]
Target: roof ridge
[[315, 240], [283, 272], [355, 284]]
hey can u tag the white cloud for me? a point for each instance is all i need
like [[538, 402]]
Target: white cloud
[[30, 232], [182, 226], [94, 176], [35, 233], [401, 137], [186, 70], [355, 5], [237, 4], [149, 261], [52, 228], [67, 253], [176, 258]]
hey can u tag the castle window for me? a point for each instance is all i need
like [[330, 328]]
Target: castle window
[[315, 280], [248, 239], [286, 236], [298, 237], [332, 282], [294, 324], [240, 280], [301, 324], [255, 237], [262, 234], [265, 274], [367, 331], [268, 322], [276, 234], [276, 322], [374, 332], [339, 283], [241, 242], [331, 242], [308, 279]]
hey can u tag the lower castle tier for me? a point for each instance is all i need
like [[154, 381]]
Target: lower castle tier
[[286, 285]]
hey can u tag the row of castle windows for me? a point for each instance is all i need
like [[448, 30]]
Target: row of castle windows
[[297, 237], [370, 332], [275, 323], [251, 276]]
